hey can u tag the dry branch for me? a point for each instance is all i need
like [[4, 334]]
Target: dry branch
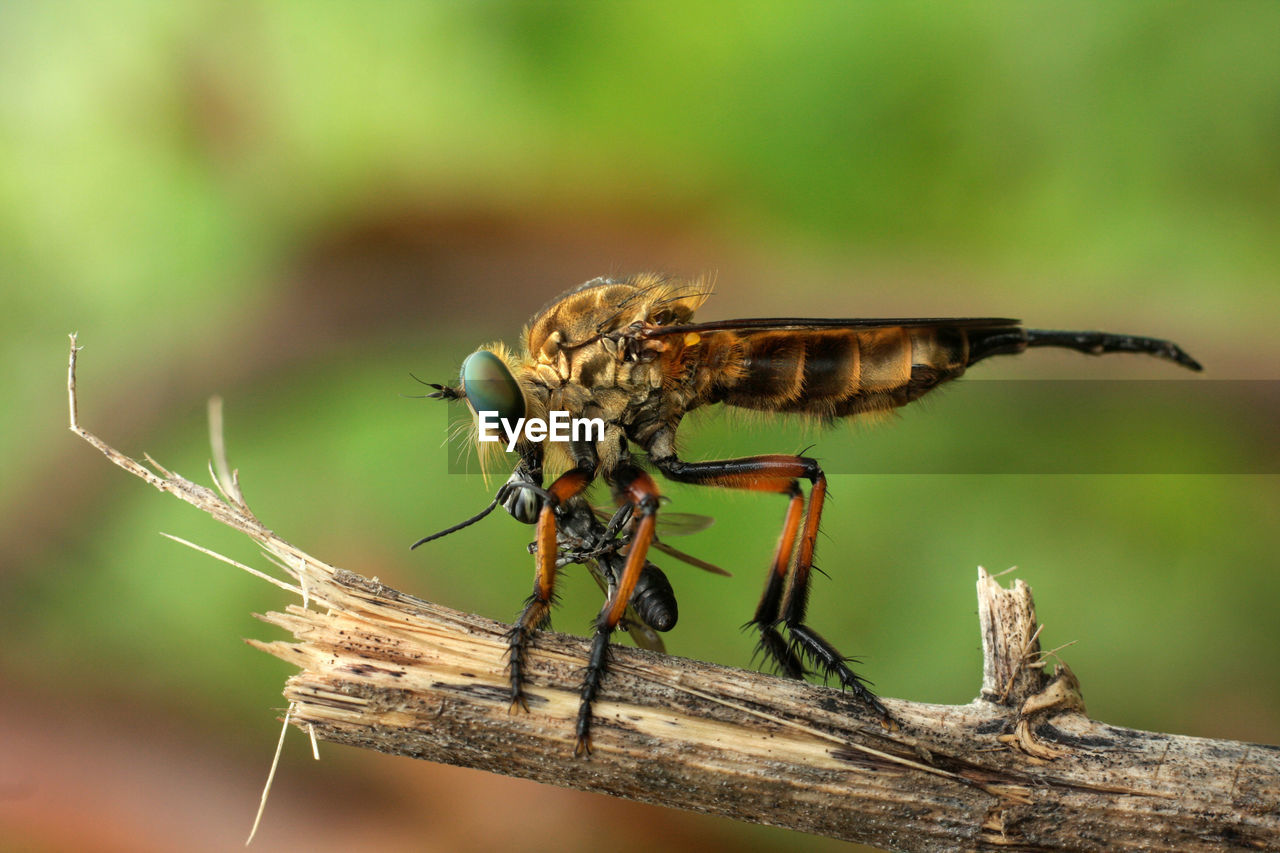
[[1021, 767]]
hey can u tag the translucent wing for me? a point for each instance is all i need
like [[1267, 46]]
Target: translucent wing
[[675, 524], [690, 559], [669, 523], [683, 523]]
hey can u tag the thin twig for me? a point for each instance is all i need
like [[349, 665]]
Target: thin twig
[[287, 587], [271, 777]]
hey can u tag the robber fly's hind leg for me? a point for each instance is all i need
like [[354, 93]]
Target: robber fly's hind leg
[[787, 588], [637, 487], [808, 643], [778, 474], [773, 648], [537, 608]]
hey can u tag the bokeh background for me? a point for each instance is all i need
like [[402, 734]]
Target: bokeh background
[[295, 205]]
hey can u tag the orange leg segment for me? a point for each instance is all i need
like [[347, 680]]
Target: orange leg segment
[[537, 609], [640, 489]]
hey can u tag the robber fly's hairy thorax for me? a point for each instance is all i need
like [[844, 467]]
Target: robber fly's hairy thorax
[[586, 354], [627, 354]]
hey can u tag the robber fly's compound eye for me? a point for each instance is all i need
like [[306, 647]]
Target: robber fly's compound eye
[[490, 387]]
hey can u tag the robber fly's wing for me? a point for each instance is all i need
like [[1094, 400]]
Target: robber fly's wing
[[644, 635], [777, 324]]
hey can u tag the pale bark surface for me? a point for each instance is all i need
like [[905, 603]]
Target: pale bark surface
[[1021, 767]]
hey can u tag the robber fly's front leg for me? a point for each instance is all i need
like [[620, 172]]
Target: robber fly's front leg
[[536, 614], [786, 591], [637, 488]]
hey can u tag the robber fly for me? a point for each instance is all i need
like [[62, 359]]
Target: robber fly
[[627, 353]]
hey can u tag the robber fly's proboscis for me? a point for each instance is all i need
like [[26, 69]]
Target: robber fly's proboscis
[[626, 354]]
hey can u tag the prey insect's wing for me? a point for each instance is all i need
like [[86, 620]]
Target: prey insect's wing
[[675, 524], [690, 559], [645, 636], [683, 523], [670, 523]]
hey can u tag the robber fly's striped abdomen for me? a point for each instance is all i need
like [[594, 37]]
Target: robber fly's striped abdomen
[[841, 372]]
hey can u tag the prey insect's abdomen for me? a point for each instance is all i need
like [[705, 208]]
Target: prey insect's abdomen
[[654, 600]]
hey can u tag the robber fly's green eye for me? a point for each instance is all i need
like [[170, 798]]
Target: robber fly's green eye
[[490, 387]]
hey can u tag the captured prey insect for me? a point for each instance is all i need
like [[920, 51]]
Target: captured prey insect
[[597, 539], [626, 353]]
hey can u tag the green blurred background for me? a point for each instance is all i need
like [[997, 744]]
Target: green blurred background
[[296, 205]]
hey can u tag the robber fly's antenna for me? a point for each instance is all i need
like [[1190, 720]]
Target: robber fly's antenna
[[470, 521], [442, 392]]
